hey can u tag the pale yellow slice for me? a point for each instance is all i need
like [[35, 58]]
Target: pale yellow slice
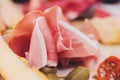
[[10, 13], [2, 27], [13, 67], [108, 29]]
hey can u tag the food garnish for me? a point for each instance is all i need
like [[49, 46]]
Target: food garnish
[[109, 69], [79, 73]]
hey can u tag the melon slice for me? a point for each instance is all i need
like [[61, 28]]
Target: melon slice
[[13, 67]]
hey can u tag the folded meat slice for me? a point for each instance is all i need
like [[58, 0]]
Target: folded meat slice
[[84, 51], [67, 38], [41, 37], [55, 34], [54, 27], [19, 40], [37, 55], [81, 45], [49, 41], [53, 22]]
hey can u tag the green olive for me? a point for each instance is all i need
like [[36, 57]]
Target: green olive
[[52, 76], [47, 70], [79, 73]]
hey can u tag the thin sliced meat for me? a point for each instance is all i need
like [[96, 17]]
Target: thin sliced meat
[[49, 41], [51, 16], [83, 50], [54, 27], [19, 40], [81, 45], [37, 55], [52, 34]]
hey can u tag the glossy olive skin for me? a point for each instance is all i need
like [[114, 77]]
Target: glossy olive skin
[[52, 76], [47, 70], [79, 73]]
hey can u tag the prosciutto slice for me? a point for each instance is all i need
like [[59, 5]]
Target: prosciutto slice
[[47, 36], [19, 40], [37, 55], [49, 42], [81, 46], [54, 26]]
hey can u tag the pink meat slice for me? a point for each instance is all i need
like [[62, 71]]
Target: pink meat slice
[[19, 40], [81, 46], [49, 41], [67, 38], [44, 38], [54, 27], [37, 55]]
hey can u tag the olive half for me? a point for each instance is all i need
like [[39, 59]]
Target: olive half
[[79, 73]]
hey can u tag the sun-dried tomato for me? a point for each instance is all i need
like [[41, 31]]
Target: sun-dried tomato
[[109, 69]]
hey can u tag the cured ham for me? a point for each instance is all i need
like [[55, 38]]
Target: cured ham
[[54, 25], [19, 40], [49, 41], [58, 38], [37, 55], [81, 46], [45, 47]]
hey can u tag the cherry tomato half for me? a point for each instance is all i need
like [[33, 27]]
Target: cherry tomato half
[[109, 69]]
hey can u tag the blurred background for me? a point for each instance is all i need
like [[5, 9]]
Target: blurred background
[[11, 11]]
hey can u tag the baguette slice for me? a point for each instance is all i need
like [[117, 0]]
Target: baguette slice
[[13, 67]]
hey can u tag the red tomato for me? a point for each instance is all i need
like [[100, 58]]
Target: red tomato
[[109, 69]]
